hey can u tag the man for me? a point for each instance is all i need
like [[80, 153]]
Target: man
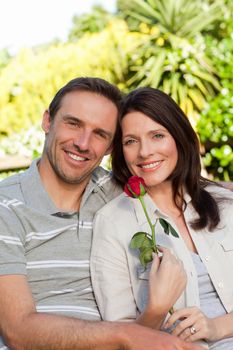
[[46, 299]]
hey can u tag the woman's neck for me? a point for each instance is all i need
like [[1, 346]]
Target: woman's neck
[[163, 198], [162, 195]]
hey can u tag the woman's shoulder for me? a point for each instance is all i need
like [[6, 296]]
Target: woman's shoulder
[[219, 191], [224, 200]]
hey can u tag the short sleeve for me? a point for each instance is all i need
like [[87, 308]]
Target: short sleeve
[[12, 257]]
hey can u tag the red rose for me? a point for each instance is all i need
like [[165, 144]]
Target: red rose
[[145, 242], [135, 187]]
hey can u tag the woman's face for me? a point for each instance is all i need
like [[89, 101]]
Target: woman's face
[[149, 149]]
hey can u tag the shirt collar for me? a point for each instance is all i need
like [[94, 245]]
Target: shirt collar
[[36, 196], [152, 210], [150, 207]]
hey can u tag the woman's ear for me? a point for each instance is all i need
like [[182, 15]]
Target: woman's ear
[[46, 122]]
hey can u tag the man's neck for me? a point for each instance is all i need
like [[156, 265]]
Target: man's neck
[[66, 197]]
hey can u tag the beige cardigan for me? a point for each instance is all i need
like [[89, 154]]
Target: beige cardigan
[[119, 281]]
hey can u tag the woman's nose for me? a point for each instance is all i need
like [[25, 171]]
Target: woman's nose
[[145, 149]]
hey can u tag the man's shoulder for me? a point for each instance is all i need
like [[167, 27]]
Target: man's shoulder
[[10, 187], [16, 186], [118, 206], [104, 180]]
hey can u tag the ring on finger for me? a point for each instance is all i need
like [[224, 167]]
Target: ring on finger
[[193, 330]]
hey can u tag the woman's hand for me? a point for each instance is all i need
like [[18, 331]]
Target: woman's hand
[[167, 280], [193, 325]]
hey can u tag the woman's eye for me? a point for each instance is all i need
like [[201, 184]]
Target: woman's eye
[[158, 136], [129, 142]]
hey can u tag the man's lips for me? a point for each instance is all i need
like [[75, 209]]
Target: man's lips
[[76, 157], [150, 165]]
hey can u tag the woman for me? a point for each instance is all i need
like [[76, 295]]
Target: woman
[[159, 145]]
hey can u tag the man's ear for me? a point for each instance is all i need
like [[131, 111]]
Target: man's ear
[[46, 122]]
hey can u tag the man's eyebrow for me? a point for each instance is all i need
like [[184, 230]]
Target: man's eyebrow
[[71, 117]]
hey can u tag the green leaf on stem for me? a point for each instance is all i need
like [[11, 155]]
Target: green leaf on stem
[[173, 231], [140, 240], [146, 256], [165, 225], [168, 228]]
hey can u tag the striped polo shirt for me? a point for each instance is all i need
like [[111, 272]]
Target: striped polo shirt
[[50, 247]]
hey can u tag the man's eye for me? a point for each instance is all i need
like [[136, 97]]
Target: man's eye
[[72, 123], [102, 135]]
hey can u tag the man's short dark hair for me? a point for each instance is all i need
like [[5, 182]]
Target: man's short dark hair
[[95, 85]]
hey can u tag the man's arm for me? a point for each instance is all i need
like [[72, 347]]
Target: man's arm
[[24, 329]]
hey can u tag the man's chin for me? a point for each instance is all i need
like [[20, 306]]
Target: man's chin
[[75, 180]]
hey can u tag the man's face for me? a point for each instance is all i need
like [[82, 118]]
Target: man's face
[[80, 135]]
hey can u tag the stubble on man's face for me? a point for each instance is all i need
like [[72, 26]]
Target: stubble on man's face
[[71, 161]]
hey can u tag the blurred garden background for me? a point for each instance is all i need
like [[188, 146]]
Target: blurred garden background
[[183, 47]]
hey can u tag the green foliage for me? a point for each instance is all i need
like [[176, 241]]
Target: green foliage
[[219, 162], [172, 52], [93, 22], [183, 18], [178, 67], [216, 122], [215, 126], [124, 8]]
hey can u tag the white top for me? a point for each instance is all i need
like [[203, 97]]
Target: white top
[[211, 305], [120, 283]]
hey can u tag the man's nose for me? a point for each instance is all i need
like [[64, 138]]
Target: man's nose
[[82, 141]]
